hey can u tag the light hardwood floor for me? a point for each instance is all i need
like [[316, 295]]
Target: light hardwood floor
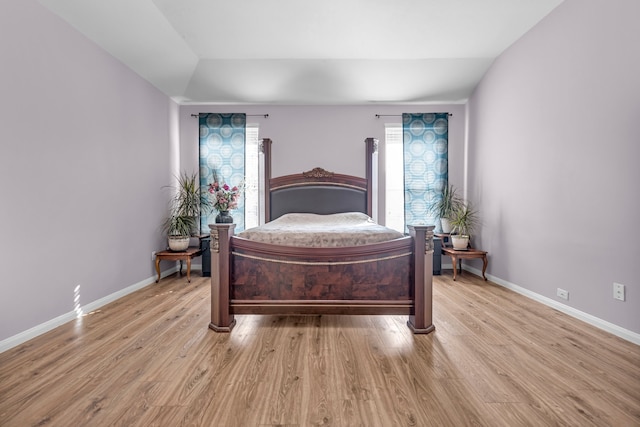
[[495, 359]]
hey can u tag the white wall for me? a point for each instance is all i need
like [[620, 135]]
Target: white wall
[[553, 158], [84, 153], [331, 137]]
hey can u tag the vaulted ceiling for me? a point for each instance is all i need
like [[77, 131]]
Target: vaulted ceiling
[[303, 52]]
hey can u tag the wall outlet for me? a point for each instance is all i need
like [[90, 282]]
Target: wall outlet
[[153, 255], [618, 291], [562, 293]]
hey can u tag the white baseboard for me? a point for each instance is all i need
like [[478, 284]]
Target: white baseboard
[[40, 329], [585, 317]]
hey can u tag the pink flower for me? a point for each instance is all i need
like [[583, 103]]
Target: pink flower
[[224, 197]]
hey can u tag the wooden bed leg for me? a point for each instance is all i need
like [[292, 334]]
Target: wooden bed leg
[[221, 318], [421, 318]]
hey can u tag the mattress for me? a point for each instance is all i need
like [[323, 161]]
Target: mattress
[[321, 231]]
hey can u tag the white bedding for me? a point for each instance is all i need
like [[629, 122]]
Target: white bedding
[[327, 231]]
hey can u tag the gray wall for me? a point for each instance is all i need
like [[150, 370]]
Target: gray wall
[[553, 158], [84, 154]]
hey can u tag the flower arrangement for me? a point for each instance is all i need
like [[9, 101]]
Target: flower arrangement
[[225, 198]]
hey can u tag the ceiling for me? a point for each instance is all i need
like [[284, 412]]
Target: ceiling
[[300, 52]]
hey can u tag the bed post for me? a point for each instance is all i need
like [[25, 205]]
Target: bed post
[[266, 150], [421, 318], [371, 171], [221, 318]]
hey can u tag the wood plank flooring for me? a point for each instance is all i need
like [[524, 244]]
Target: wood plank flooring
[[495, 359]]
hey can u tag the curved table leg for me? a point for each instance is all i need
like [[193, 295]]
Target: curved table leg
[[484, 266], [454, 261], [158, 269], [188, 269]]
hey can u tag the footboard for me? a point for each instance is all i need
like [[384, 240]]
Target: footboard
[[384, 278], [359, 280]]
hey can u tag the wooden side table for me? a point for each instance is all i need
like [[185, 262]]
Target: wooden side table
[[469, 253], [187, 255]]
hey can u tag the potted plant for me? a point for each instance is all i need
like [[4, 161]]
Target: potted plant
[[464, 221], [188, 199], [445, 206], [178, 229], [185, 206]]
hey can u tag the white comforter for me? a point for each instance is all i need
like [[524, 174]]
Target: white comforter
[[327, 231]]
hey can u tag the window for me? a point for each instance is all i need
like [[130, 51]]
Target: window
[[394, 179], [416, 168], [229, 153], [252, 178]]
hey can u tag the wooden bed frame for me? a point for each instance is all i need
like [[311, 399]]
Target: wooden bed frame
[[392, 277]]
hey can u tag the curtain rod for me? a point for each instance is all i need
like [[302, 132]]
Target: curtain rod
[[400, 115], [266, 116]]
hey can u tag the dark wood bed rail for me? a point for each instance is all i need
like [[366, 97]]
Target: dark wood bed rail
[[397, 246]]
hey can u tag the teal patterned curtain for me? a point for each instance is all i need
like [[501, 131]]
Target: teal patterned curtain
[[222, 153], [425, 151]]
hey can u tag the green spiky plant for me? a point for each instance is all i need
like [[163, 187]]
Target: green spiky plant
[[186, 205], [189, 200], [464, 220], [445, 206], [179, 225]]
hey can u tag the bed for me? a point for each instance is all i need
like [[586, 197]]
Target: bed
[[392, 275]]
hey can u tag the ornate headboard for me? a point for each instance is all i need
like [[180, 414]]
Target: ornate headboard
[[318, 190]]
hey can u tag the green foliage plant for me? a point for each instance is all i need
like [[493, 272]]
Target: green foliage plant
[[447, 204], [188, 199], [185, 206], [465, 219], [179, 225]]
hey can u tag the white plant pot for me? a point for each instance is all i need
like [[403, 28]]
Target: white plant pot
[[178, 244], [445, 225], [460, 242]]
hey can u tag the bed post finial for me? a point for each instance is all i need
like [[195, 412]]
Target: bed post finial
[[374, 144]]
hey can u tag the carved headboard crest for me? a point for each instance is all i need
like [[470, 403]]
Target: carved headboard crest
[[317, 173]]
